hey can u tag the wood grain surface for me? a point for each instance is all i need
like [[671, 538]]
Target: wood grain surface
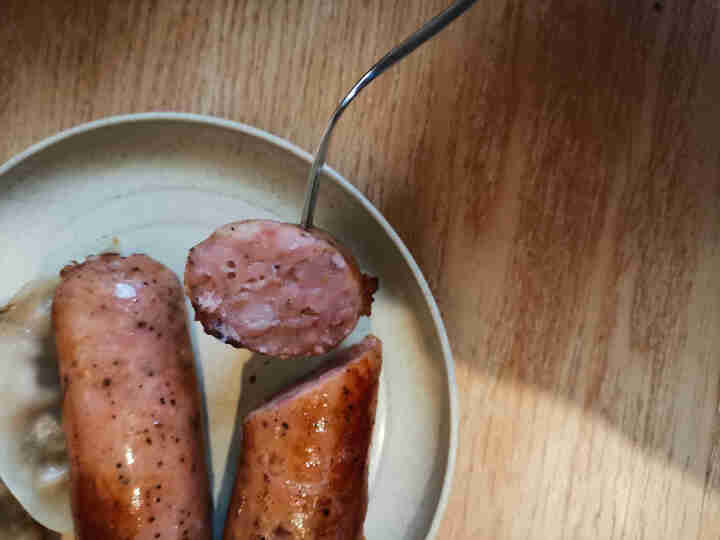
[[553, 165]]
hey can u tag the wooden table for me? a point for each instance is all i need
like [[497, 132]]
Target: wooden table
[[553, 165]]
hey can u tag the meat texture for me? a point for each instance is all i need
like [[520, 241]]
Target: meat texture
[[131, 405], [304, 464], [276, 288]]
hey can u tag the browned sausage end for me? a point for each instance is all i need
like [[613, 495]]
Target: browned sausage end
[[304, 465]]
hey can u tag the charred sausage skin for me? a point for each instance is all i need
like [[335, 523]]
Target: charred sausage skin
[[276, 288], [131, 405], [303, 470]]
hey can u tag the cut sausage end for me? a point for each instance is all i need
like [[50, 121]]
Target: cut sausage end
[[276, 288]]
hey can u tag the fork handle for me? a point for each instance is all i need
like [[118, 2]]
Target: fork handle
[[428, 30]]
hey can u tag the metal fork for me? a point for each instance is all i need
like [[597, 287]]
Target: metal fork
[[430, 29]]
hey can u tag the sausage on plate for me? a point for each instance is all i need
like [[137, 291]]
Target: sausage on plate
[[276, 288], [304, 464], [131, 406]]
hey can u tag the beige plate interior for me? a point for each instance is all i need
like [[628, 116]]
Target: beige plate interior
[[159, 183]]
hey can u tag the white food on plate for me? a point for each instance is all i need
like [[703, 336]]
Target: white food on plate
[[33, 462]]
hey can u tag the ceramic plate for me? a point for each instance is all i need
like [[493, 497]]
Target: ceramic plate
[[158, 184]]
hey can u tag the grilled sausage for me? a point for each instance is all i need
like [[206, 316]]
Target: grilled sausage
[[276, 288], [131, 406], [303, 469]]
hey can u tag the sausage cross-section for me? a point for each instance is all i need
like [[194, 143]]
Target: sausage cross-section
[[304, 463], [131, 406], [276, 288]]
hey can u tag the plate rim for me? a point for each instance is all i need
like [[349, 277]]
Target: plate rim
[[348, 187]]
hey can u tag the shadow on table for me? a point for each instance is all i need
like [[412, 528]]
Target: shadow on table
[[561, 197]]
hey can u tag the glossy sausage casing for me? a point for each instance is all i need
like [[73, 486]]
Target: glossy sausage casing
[[303, 470], [131, 405], [276, 288]]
